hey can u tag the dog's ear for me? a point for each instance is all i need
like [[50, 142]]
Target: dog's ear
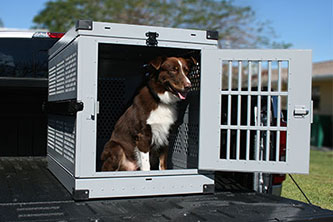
[[157, 62], [191, 62]]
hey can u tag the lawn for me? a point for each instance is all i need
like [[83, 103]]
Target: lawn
[[318, 185]]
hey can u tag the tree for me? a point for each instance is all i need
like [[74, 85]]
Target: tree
[[237, 26], [1, 23]]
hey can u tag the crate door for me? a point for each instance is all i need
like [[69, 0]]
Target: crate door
[[255, 111]]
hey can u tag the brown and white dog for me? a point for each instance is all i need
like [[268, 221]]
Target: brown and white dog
[[145, 125]]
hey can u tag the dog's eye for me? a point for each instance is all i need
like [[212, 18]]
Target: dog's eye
[[174, 69]]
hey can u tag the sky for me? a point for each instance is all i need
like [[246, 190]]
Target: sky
[[306, 24]]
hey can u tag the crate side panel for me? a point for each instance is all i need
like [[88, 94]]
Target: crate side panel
[[61, 134], [63, 74]]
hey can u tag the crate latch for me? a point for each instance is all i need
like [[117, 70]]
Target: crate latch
[[67, 107], [151, 40], [301, 111]]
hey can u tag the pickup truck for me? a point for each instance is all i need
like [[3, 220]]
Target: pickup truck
[[29, 192]]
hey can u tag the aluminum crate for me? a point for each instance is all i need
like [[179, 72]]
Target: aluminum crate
[[96, 69]]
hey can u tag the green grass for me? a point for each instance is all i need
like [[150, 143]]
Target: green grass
[[317, 185]]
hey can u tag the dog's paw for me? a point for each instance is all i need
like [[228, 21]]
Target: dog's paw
[[145, 163]]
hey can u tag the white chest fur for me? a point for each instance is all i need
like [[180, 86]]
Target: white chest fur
[[160, 121]]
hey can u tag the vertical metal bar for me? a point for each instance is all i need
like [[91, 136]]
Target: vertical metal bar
[[230, 76], [278, 112], [268, 135], [259, 93], [239, 76], [269, 89], [248, 111], [259, 76], [247, 144], [258, 150], [249, 79], [279, 76], [286, 156], [277, 145], [229, 96], [239, 108], [228, 145], [257, 145], [229, 110], [269, 83], [279, 97]]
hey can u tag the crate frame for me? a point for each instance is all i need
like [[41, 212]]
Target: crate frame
[[82, 179], [74, 61]]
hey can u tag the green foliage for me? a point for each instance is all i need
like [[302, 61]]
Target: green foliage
[[237, 25], [1, 23], [281, 45], [318, 185]]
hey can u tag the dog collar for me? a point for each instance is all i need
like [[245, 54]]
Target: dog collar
[[153, 93]]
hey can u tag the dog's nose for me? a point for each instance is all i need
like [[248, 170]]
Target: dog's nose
[[187, 85]]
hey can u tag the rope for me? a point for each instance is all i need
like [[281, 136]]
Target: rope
[[300, 190]]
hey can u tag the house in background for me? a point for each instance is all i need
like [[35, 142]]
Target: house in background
[[322, 96]]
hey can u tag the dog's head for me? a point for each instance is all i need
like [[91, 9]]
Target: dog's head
[[173, 74]]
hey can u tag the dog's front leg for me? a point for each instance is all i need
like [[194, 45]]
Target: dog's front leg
[[145, 164], [143, 142], [163, 158]]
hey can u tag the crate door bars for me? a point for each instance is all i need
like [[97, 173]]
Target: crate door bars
[[256, 110]]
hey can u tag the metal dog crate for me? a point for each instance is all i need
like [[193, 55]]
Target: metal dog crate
[[96, 69]]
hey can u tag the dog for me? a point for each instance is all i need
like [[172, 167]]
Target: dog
[[143, 129]]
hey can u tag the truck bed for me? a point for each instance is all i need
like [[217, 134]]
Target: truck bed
[[29, 192]]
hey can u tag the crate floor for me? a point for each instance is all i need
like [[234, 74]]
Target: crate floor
[[29, 192]]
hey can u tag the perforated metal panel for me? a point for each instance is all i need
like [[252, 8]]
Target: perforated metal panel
[[260, 120], [184, 138], [111, 99], [63, 75], [61, 136], [112, 103]]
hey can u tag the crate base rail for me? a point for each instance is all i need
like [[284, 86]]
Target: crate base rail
[[131, 186]]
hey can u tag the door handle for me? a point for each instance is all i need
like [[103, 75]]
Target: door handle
[[301, 111]]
